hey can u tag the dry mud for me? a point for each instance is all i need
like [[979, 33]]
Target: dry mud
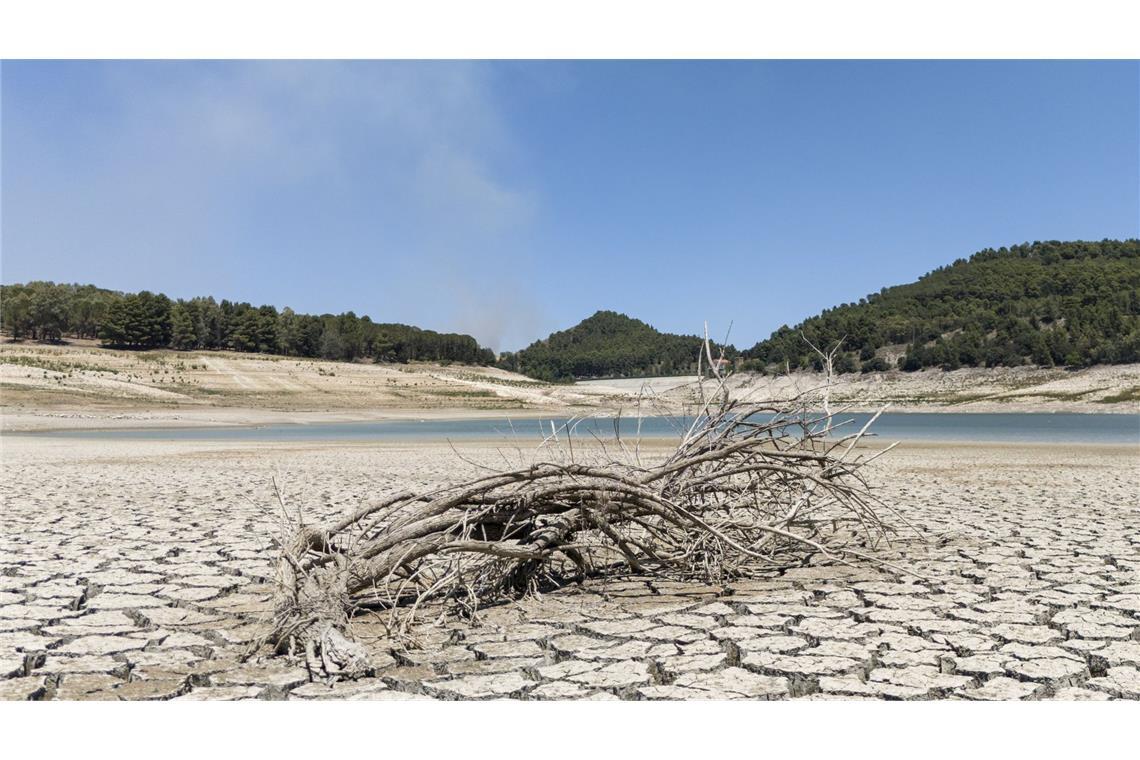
[[139, 571]]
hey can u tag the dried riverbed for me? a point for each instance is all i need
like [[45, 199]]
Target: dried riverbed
[[139, 570]]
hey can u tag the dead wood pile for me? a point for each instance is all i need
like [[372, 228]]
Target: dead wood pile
[[747, 488]]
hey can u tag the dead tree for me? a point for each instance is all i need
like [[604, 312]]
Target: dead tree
[[748, 487]]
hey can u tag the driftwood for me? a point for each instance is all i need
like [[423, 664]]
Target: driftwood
[[747, 488]]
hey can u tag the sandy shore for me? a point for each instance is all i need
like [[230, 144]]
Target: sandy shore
[[138, 570], [83, 386], [43, 421]]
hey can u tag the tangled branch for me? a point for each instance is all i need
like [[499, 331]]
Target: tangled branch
[[748, 487]]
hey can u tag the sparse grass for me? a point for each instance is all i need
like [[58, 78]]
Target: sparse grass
[[449, 393], [950, 398], [1018, 391], [504, 381], [969, 398], [1126, 395], [57, 365], [261, 357], [1055, 395], [160, 357], [34, 397]]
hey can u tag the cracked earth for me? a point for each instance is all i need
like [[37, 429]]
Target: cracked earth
[[140, 571]]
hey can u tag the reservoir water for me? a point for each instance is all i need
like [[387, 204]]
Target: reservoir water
[[923, 426]]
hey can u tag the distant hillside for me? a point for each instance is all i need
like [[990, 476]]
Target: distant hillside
[[1049, 304], [47, 311], [607, 344]]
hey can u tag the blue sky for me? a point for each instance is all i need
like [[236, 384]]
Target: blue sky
[[510, 199]]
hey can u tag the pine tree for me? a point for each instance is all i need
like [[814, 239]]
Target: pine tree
[[182, 334]]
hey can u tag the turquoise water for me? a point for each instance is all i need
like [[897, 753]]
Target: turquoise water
[[1009, 427]]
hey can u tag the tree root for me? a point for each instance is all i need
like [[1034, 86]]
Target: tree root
[[313, 617], [747, 488]]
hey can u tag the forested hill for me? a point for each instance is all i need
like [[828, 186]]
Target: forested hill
[[49, 311], [607, 344], [1052, 303]]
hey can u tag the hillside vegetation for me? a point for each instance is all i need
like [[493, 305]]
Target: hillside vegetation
[[1048, 304], [607, 344], [1070, 304], [47, 311]]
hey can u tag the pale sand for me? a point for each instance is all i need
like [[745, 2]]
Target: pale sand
[[52, 387], [1019, 389], [82, 386], [133, 570]]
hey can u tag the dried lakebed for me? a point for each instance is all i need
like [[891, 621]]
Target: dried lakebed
[[139, 570]]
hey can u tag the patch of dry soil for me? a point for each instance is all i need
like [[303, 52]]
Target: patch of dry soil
[[140, 571]]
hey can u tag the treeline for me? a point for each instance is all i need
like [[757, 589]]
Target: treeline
[[607, 345], [47, 311], [1049, 304], [1046, 303]]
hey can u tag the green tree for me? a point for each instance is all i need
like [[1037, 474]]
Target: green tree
[[48, 313], [182, 334], [1081, 298]]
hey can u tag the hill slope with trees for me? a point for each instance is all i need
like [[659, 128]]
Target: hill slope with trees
[[1046, 303], [47, 311], [608, 344]]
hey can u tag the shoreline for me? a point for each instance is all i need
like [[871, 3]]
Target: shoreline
[[227, 418], [20, 422], [46, 423], [526, 441], [135, 448], [82, 387]]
